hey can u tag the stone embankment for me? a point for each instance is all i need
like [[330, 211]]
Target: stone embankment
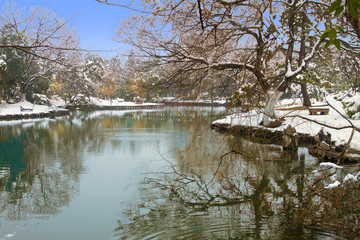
[[319, 146], [30, 115]]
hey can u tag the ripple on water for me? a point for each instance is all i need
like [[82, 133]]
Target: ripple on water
[[195, 225]]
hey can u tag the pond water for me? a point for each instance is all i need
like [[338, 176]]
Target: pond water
[[154, 174]]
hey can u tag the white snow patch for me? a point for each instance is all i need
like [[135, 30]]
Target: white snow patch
[[333, 185], [350, 177], [9, 235], [333, 177], [329, 164]]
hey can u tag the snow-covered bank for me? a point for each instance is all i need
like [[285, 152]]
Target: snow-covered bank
[[57, 101], [25, 110], [118, 103], [296, 118], [15, 109]]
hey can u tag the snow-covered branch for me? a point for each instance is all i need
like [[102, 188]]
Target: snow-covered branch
[[292, 74]]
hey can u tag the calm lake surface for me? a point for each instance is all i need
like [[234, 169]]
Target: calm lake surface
[[151, 174]]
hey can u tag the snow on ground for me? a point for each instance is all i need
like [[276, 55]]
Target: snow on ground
[[57, 102], [301, 125], [14, 109], [333, 185], [117, 102]]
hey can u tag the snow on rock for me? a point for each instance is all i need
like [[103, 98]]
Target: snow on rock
[[329, 164], [351, 103], [349, 176], [333, 177], [333, 185]]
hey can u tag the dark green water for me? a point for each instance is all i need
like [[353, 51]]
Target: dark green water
[[107, 175]]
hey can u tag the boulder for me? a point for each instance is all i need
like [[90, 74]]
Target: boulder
[[290, 138]]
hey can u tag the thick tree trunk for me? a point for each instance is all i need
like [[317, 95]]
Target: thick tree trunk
[[354, 21], [305, 94], [269, 111], [273, 98], [23, 97]]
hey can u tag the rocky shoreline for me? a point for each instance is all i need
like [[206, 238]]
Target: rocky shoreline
[[320, 146]]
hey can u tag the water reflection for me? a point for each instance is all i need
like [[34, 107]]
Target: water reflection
[[42, 162], [12, 159], [39, 178], [225, 187], [156, 174]]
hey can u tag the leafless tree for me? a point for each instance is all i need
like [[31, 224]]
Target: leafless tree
[[261, 39], [43, 39]]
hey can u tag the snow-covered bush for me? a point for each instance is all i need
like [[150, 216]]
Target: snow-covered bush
[[351, 103]]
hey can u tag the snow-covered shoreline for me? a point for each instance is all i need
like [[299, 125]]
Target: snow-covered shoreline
[[299, 120], [295, 118], [27, 110], [15, 109]]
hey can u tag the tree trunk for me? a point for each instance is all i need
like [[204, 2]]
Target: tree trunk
[[273, 98], [198, 97], [23, 97], [305, 94], [354, 21], [269, 111]]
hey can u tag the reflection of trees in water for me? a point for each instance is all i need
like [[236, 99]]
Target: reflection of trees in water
[[261, 193], [11, 158], [171, 220], [44, 172], [40, 161]]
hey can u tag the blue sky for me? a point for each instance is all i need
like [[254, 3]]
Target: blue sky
[[95, 25]]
